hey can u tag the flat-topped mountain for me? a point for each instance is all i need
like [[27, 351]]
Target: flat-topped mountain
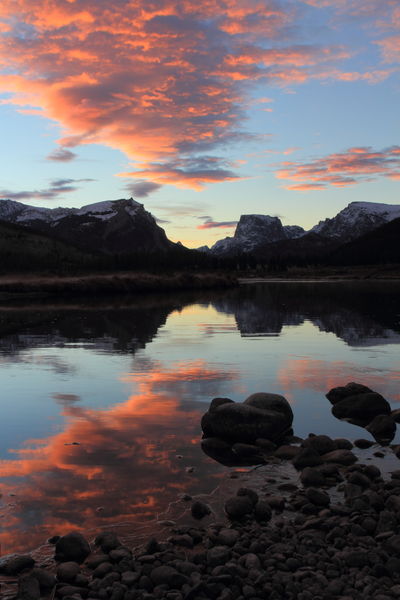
[[254, 230], [110, 227]]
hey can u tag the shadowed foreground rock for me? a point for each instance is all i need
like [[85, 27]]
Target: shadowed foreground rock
[[362, 406], [261, 415]]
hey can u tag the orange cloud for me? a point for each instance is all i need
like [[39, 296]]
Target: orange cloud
[[355, 165], [165, 82]]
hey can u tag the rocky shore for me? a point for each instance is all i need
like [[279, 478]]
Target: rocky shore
[[331, 531]]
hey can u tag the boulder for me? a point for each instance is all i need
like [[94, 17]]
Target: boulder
[[322, 444], [200, 510], [307, 457], [383, 428], [238, 507], [341, 457], [338, 394], [261, 415], [13, 564], [248, 452], [219, 450], [274, 402], [287, 452], [361, 408], [72, 547]]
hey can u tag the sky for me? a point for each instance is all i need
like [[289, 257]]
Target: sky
[[202, 111]]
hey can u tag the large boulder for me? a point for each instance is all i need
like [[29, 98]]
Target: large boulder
[[260, 416], [383, 428], [338, 394], [72, 547], [361, 408]]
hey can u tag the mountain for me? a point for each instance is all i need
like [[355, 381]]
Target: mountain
[[265, 237], [253, 231], [375, 247], [110, 227], [23, 248], [356, 219]]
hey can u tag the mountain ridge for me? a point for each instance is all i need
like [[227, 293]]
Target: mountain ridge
[[109, 227], [257, 232]]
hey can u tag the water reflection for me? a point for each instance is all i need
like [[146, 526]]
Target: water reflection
[[122, 463], [100, 398], [360, 313]]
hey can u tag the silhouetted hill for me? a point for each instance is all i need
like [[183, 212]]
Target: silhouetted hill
[[22, 248]]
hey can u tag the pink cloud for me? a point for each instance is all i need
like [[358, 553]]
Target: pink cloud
[[159, 80], [209, 223], [355, 165]]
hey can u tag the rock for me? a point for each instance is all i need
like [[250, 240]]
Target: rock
[[287, 452], [318, 497], [338, 394], [341, 457], [167, 575], [218, 555], [361, 408], [67, 571], [219, 450], [276, 502], [121, 553], [107, 540], [95, 560], [372, 472], [152, 546], [262, 511], [14, 564], [238, 507], [260, 416], [322, 444], [359, 479], [311, 477], [248, 451], [102, 570], [217, 402], [227, 537], [307, 457], [200, 510], [392, 545], [72, 590], [249, 493], [28, 588], [266, 445], [274, 402], [342, 444], [363, 444], [383, 428], [72, 547], [46, 579]]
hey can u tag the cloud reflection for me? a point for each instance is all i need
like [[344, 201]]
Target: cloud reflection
[[123, 465]]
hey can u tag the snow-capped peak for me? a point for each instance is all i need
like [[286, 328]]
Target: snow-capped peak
[[356, 219]]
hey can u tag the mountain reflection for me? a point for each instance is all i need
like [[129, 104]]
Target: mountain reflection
[[359, 313], [113, 465]]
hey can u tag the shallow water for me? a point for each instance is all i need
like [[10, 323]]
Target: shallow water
[[101, 402]]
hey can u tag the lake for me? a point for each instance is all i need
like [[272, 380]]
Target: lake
[[102, 399]]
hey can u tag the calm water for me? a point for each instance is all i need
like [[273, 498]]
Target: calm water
[[101, 403]]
